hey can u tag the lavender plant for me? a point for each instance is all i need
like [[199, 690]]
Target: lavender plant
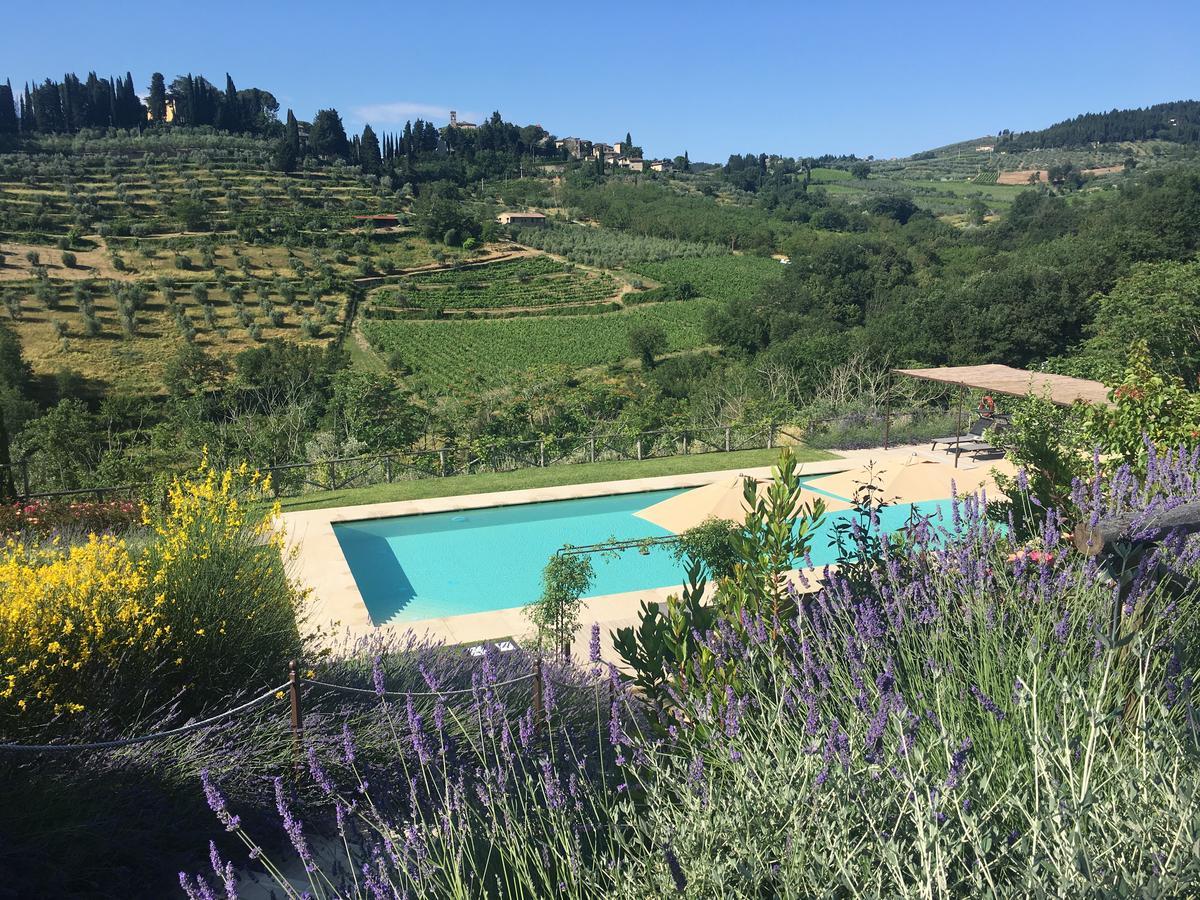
[[969, 717]]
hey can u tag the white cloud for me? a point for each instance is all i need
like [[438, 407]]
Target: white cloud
[[404, 110]]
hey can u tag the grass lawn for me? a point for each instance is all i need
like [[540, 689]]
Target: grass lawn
[[581, 473]]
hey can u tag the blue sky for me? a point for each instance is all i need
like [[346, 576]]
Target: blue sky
[[799, 79]]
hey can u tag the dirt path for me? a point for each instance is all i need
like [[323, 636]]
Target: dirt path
[[495, 257]]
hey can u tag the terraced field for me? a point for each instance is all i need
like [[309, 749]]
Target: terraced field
[[119, 250], [482, 352], [527, 282]]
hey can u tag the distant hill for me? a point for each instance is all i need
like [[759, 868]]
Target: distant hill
[[1178, 122]]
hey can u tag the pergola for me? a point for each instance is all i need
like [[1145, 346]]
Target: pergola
[[1061, 389]]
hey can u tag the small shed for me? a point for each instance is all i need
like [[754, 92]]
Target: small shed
[[521, 218]]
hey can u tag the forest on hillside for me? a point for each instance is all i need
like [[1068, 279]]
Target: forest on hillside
[[1178, 122]]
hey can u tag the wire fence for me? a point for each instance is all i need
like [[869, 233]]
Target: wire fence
[[32, 482]]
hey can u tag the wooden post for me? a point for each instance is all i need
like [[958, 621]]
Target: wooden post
[[542, 454], [539, 709], [639, 447], [332, 476], [25, 475], [685, 443], [962, 392], [387, 468], [887, 414], [771, 436], [442, 459], [592, 448], [726, 438], [297, 713]]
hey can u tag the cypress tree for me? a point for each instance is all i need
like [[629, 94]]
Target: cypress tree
[[47, 108], [229, 113], [8, 110], [158, 98], [368, 152], [287, 151]]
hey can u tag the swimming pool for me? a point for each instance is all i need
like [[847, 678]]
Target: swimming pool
[[409, 568]]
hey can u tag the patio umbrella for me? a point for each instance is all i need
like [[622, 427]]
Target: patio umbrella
[[724, 499], [912, 479]]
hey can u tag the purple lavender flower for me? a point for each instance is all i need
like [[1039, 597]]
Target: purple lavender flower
[[199, 890], [987, 703], [292, 826], [347, 745], [377, 675], [417, 732], [319, 775], [216, 802], [594, 644], [957, 760], [675, 869], [1062, 629], [224, 871], [732, 715]]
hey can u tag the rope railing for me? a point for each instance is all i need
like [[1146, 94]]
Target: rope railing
[[153, 736], [405, 694], [291, 687]]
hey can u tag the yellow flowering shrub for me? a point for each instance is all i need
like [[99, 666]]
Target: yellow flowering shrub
[[204, 611], [218, 563], [66, 615]]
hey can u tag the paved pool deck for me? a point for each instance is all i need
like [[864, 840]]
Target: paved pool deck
[[337, 607]]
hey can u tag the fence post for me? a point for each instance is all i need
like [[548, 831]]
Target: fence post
[[592, 448], [684, 444], [442, 461], [297, 713], [539, 711], [639, 447], [332, 476], [387, 468], [542, 454], [771, 436], [25, 475], [726, 438]]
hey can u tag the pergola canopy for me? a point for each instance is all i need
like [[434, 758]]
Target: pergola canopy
[[1061, 389]]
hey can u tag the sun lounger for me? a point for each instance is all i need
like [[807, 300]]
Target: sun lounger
[[973, 448], [975, 433]]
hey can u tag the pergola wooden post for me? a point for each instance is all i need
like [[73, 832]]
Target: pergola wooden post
[[958, 422]]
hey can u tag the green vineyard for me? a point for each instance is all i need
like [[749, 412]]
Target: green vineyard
[[480, 352], [716, 277], [527, 282]]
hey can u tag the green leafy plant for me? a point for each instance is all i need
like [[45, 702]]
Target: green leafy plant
[[565, 580], [1150, 409]]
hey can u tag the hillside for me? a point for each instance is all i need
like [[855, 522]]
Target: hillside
[[118, 251], [1177, 122], [297, 295]]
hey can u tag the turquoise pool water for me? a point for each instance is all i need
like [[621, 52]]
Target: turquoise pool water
[[445, 564]]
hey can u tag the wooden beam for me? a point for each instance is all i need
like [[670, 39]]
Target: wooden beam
[[1094, 539]]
